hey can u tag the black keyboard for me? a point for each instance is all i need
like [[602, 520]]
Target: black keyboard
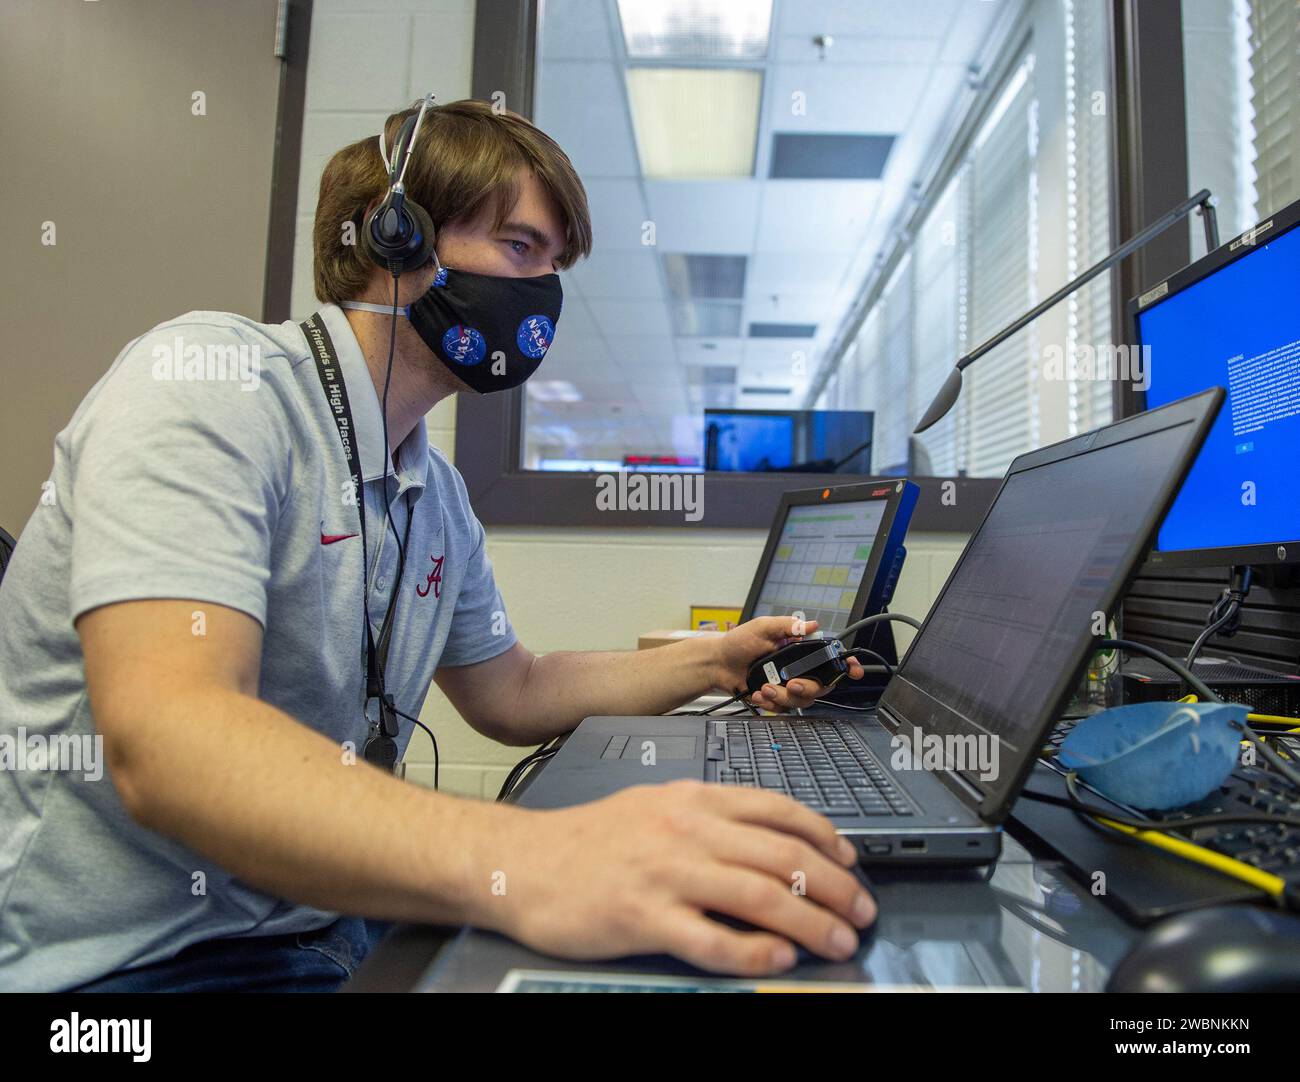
[[1273, 848], [820, 762]]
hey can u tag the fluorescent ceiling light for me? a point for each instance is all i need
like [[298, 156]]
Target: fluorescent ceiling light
[[695, 123], [696, 29]]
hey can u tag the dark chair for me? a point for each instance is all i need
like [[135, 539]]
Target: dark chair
[[6, 551]]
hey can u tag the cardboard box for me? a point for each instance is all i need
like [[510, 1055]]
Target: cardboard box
[[650, 639], [718, 617]]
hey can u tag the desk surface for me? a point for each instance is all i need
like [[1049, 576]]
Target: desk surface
[[1023, 924]]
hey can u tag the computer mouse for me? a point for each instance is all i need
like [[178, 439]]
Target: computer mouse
[[866, 936], [1239, 948]]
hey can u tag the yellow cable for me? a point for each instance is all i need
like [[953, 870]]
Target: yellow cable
[[1273, 885], [1271, 719]]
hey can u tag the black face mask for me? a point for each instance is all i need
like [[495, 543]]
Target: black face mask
[[492, 332]]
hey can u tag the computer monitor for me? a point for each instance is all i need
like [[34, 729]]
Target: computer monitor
[[834, 555], [805, 441], [748, 441], [1232, 320]]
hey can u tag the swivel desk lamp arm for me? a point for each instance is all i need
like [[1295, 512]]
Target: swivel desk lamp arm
[[947, 396]]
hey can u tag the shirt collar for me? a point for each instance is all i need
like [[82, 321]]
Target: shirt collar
[[413, 452]]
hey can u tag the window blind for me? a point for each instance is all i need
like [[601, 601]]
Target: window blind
[[1001, 422]]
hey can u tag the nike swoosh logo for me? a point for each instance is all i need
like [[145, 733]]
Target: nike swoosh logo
[[330, 538]]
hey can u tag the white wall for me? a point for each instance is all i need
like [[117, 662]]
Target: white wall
[[367, 59], [598, 589], [565, 589]]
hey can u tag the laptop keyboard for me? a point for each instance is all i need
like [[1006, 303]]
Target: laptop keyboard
[[821, 762]]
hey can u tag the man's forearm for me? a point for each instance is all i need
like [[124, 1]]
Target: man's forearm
[[561, 689], [278, 806]]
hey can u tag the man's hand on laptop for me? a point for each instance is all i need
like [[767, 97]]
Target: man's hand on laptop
[[740, 647], [637, 872]]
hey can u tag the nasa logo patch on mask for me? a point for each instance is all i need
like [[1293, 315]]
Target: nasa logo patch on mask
[[464, 345], [534, 336]]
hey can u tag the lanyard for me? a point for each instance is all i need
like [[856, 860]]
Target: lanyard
[[336, 394]]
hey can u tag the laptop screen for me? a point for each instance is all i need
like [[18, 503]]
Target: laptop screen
[[1008, 633], [819, 560]]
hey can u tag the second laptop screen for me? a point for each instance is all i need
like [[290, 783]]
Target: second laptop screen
[[819, 561]]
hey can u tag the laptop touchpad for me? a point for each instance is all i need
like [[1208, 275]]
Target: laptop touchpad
[[653, 748]]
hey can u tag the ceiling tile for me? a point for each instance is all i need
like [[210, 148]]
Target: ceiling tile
[[876, 98], [621, 317], [717, 216], [877, 18], [575, 30], [815, 215], [631, 274], [582, 107]]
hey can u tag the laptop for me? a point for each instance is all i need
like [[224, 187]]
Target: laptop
[[930, 773], [834, 555]]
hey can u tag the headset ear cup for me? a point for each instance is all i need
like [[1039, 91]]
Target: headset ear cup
[[368, 245], [424, 252], [409, 254]]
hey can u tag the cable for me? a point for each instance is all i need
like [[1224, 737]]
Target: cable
[[436, 755], [517, 771], [1274, 759], [880, 617], [1176, 667], [388, 379], [1225, 613], [1209, 631], [739, 697], [850, 456], [863, 650], [527, 767], [1275, 719]]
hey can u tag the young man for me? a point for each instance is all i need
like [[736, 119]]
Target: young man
[[191, 588]]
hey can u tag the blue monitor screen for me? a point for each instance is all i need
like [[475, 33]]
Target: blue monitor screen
[[1238, 328], [751, 441]]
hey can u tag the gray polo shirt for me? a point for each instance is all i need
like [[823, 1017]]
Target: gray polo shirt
[[206, 465]]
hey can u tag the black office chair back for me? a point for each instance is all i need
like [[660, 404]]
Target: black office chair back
[[6, 551]]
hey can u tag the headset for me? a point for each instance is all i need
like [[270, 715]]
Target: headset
[[397, 236]]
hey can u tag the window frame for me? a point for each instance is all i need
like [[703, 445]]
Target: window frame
[[489, 428]]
